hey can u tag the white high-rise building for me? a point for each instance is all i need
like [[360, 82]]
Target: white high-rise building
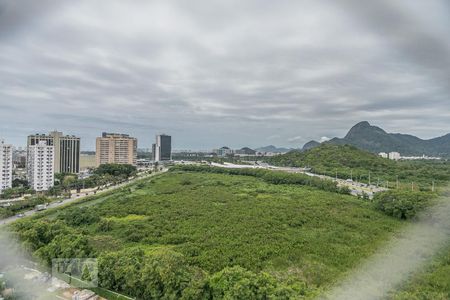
[[6, 166], [394, 155], [40, 166], [383, 154]]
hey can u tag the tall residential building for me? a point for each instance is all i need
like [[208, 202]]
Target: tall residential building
[[394, 155], [40, 166], [162, 149], [115, 148], [67, 150], [6, 166]]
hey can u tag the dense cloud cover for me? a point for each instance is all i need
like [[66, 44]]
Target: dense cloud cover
[[213, 73]]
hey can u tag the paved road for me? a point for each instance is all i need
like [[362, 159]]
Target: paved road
[[74, 198]]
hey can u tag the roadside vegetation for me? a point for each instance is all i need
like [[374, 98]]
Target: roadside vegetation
[[204, 235], [108, 174], [14, 208], [103, 175]]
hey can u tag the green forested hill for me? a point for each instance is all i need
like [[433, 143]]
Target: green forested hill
[[349, 161]]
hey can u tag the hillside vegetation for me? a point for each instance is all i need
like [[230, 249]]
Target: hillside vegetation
[[351, 162], [195, 235]]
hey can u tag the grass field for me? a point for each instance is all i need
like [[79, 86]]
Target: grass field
[[296, 234]]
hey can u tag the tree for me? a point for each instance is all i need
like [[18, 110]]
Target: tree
[[239, 283], [116, 170], [401, 204]]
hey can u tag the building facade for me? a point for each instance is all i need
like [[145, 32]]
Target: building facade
[[394, 155], [116, 148], [66, 152], [224, 151], [383, 154], [40, 166], [6, 166], [162, 149]]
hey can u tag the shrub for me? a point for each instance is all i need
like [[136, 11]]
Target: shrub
[[401, 204], [79, 216]]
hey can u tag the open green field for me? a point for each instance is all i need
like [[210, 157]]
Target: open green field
[[300, 238]]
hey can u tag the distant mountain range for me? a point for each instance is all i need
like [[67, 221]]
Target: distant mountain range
[[374, 139], [273, 149]]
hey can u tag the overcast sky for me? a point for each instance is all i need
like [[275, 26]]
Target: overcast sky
[[214, 73]]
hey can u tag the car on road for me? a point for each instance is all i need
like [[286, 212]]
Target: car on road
[[40, 207], [20, 215]]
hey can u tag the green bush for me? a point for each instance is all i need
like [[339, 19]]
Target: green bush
[[401, 204], [116, 170], [78, 216]]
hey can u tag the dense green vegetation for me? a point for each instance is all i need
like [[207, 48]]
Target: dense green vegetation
[[402, 204], [274, 177], [16, 192], [350, 162], [116, 170], [203, 235]]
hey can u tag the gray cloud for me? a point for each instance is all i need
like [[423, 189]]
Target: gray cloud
[[242, 73]]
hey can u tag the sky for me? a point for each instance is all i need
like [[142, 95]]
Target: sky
[[213, 73]]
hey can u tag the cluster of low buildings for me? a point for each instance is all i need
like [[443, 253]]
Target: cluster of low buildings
[[226, 151], [47, 154], [398, 156], [390, 155]]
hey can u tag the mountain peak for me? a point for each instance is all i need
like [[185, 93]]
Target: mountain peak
[[362, 124], [363, 128], [310, 145]]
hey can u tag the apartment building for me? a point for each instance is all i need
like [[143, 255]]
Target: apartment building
[[40, 166], [116, 148], [66, 151], [6, 166]]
